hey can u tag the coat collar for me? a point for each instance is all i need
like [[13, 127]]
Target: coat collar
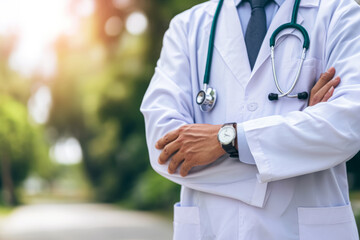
[[229, 39], [278, 2], [303, 3]]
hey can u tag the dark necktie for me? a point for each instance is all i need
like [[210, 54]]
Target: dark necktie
[[256, 29]]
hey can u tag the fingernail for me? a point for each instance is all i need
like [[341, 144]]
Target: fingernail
[[330, 70], [331, 89]]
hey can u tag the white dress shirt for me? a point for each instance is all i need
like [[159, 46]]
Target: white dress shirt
[[244, 11]]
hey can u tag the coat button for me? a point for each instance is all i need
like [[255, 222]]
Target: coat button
[[252, 107]]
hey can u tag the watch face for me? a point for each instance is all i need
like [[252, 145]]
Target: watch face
[[226, 135]]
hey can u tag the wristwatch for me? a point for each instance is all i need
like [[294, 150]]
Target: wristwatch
[[226, 137]]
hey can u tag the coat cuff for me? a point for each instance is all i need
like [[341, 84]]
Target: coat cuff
[[245, 155]]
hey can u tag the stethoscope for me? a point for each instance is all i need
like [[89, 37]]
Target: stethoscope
[[206, 98]]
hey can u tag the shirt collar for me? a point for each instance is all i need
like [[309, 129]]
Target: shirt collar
[[278, 2]]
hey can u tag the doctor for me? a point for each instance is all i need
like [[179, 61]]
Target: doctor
[[282, 175]]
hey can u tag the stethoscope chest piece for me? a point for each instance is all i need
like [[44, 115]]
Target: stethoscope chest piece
[[206, 99]]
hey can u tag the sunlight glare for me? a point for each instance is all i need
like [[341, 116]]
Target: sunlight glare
[[85, 8], [39, 105], [37, 24], [136, 23], [67, 151]]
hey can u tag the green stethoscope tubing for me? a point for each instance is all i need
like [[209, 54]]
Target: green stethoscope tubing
[[211, 43], [306, 45], [291, 24]]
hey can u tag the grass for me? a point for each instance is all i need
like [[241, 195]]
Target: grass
[[128, 205], [355, 197], [5, 211]]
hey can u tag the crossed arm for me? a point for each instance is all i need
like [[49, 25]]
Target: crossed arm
[[184, 147], [337, 121]]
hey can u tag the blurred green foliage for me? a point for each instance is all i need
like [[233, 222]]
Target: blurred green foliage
[[153, 191], [97, 96], [21, 148], [5, 211]]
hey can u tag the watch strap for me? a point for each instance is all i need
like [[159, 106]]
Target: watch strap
[[230, 148]]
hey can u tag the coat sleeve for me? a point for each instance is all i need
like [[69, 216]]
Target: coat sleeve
[[322, 136], [168, 104]]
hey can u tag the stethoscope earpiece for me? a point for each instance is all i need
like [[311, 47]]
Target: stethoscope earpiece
[[300, 96], [303, 95], [273, 97]]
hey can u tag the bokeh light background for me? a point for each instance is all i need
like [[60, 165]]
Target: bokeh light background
[[72, 77]]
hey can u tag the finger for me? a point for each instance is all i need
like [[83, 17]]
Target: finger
[[167, 151], [324, 79], [168, 138], [185, 168], [318, 97], [328, 95], [333, 83], [175, 162]]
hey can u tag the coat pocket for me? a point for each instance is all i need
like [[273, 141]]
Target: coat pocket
[[186, 223], [330, 223]]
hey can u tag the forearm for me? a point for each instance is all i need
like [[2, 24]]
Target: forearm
[[216, 178], [299, 143]]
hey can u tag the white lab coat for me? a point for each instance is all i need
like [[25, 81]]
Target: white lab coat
[[298, 188]]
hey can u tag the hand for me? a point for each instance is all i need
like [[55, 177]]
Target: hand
[[190, 145], [324, 88], [196, 144]]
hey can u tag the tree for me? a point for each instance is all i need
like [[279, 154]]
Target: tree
[[98, 100], [21, 147]]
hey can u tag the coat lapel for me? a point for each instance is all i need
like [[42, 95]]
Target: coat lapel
[[229, 41]]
